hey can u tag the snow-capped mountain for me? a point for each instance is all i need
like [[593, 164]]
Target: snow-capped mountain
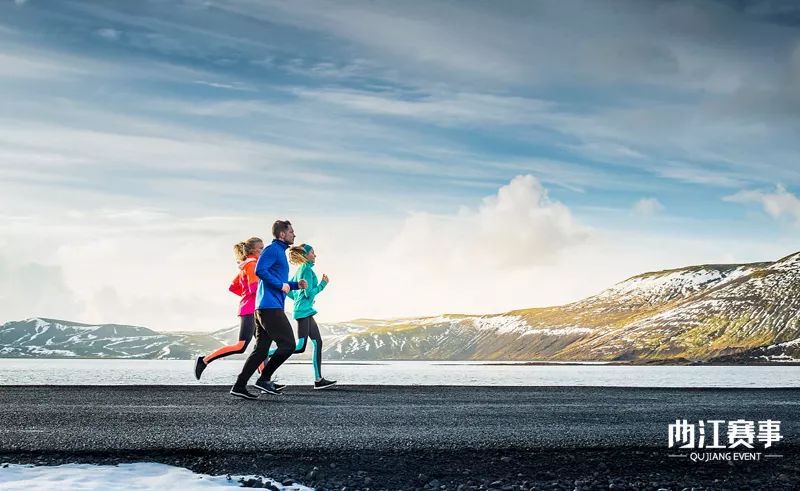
[[52, 338], [698, 313], [742, 308], [737, 313]]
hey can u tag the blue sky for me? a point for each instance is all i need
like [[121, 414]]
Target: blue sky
[[646, 134]]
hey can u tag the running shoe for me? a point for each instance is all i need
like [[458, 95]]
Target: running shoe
[[267, 386], [243, 393], [323, 384], [279, 386], [199, 366]]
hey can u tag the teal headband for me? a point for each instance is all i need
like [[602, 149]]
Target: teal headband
[[307, 248]]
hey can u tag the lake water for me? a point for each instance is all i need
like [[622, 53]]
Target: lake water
[[223, 372]]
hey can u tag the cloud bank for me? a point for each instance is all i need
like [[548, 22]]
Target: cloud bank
[[779, 204]]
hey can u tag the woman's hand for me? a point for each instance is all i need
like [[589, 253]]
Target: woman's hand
[[302, 284], [325, 278]]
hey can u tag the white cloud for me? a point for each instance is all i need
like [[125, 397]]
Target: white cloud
[[464, 108], [778, 204], [220, 85], [119, 144], [518, 227], [698, 174], [109, 33], [648, 207], [695, 85], [671, 141], [663, 45], [30, 288], [475, 260], [514, 249], [149, 267], [130, 266], [26, 67]]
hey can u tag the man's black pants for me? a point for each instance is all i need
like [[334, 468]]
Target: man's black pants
[[271, 325]]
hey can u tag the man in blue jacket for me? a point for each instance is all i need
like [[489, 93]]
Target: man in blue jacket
[[272, 270]]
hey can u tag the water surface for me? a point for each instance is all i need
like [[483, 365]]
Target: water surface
[[223, 372]]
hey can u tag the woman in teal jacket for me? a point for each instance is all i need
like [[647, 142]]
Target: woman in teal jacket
[[304, 256]]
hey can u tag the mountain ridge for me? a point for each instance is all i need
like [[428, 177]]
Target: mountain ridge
[[736, 313]]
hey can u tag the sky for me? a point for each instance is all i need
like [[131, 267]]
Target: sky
[[441, 157]]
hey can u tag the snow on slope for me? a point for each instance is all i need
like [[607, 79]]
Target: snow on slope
[[665, 286]]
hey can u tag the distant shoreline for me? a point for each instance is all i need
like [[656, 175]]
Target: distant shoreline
[[470, 362]]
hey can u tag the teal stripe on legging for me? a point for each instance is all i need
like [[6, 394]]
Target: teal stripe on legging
[[301, 345], [317, 356]]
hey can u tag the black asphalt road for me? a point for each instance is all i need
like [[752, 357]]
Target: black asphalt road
[[369, 417], [515, 434]]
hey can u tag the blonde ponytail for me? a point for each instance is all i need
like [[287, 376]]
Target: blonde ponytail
[[239, 251], [297, 255]]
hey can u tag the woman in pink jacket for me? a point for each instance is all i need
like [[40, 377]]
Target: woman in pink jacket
[[245, 285]]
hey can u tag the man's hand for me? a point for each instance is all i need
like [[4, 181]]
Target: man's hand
[[286, 288], [302, 284], [325, 278]]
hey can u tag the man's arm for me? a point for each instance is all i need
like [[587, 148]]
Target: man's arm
[[265, 262]]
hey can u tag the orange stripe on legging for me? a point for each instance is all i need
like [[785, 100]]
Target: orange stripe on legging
[[225, 350]]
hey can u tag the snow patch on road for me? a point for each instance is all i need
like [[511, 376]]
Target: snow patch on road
[[122, 477]]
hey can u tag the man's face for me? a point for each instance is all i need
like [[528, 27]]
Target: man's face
[[288, 236]]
